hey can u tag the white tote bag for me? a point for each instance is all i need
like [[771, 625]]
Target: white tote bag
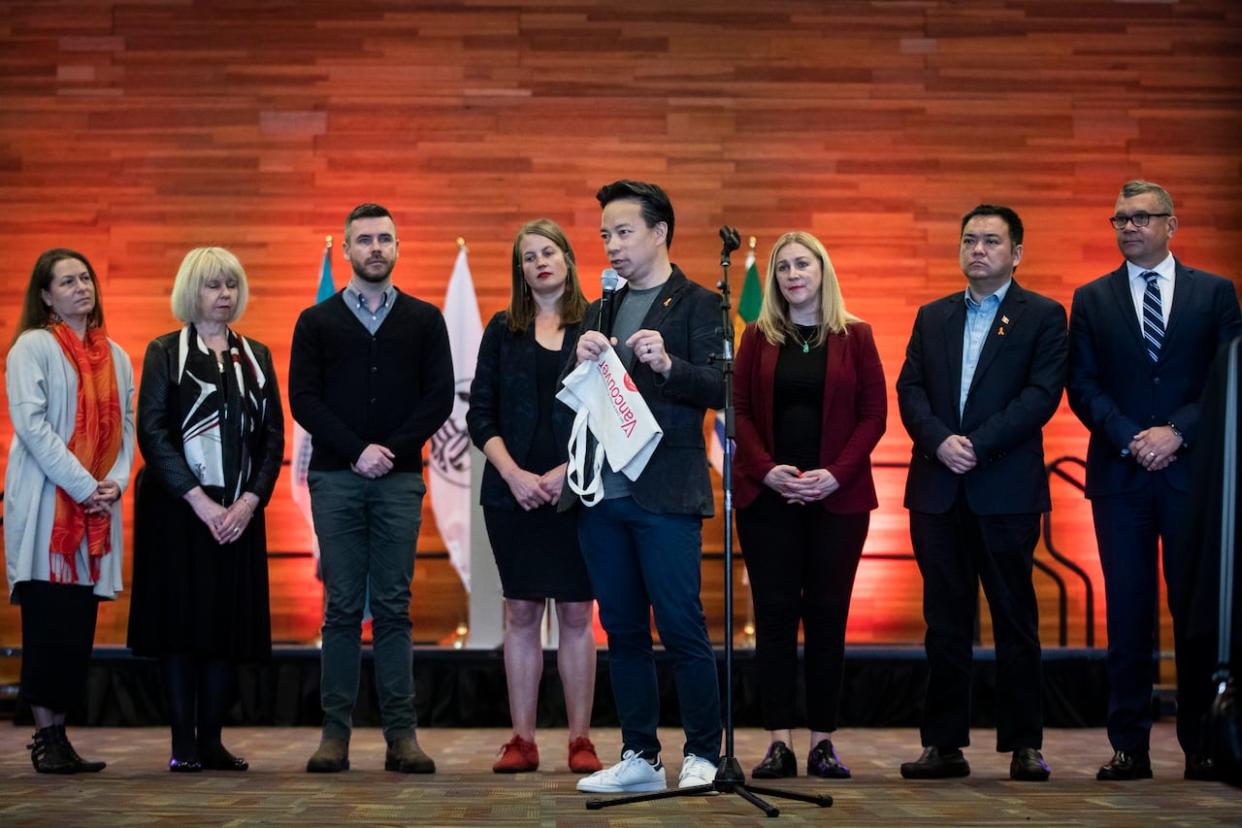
[[609, 406]]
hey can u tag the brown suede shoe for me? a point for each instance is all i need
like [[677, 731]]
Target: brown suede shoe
[[331, 757], [405, 756]]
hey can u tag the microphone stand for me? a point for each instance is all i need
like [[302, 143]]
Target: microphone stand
[[729, 775]]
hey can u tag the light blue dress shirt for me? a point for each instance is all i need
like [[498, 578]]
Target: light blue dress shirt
[[357, 303], [979, 319]]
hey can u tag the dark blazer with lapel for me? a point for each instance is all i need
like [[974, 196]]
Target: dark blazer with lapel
[[676, 479], [1015, 391], [854, 415], [1117, 392], [504, 402]]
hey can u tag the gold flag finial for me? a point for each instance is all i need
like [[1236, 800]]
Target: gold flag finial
[[327, 241], [752, 242], [461, 242]]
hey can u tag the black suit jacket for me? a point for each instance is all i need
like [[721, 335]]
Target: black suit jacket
[[1016, 389], [1117, 392], [676, 479], [504, 401]]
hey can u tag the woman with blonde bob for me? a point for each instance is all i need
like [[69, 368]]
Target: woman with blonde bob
[[517, 423], [212, 434], [71, 391], [811, 406]]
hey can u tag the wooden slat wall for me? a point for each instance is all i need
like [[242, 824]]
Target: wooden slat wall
[[135, 130]]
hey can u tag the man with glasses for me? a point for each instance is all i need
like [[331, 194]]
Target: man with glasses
[[1141, 341]]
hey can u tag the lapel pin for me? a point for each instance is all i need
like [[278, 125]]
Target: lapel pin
[[668, 301], [1005, 319], [1000, 331]]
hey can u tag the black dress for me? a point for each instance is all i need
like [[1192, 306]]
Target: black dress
[[190, 594], [537, 552]]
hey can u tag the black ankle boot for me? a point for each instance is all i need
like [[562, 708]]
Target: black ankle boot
[[83, 765], [50, 753]]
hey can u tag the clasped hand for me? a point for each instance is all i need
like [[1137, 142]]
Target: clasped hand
[[101, 500], [957, 453], [800, 487], [1155, 448], [532, 490]]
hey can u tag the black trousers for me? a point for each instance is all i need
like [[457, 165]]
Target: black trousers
[[802, 561], [1130, 528], [58, 634], [956, 551]]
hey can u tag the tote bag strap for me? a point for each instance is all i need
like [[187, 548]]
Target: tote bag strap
[[591, 493]]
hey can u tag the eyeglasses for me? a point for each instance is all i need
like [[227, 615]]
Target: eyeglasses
[[1120, 220]]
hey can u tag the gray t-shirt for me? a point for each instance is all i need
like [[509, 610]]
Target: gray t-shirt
[[628, 319]]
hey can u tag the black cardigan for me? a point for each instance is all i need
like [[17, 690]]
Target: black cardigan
[[349, 388], [503, 401]]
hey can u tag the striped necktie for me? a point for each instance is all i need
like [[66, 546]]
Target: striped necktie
[[1153, 317]]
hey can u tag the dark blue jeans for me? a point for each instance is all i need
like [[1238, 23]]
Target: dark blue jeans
[[639, 561], [367, 533]]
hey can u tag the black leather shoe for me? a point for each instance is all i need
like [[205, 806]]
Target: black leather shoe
[[1028, 765], [937, 763], [1202, 769], [1125, 766], [778, 763], [823, 762], [176, 765], [220, 759]]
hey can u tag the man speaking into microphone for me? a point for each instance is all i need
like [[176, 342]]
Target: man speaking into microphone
[[643, 541]]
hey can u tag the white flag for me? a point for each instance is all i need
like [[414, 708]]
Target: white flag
[[450, 446]]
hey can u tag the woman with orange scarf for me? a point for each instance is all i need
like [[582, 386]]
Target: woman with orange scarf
[[70, 392]]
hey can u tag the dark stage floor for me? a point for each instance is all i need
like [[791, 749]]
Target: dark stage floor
[[136, 790]]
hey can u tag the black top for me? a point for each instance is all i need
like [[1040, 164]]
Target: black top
[[544, 454], [349, 388], [798, 400], [510, 398]]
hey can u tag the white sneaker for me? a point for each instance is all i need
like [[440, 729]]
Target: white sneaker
[[696, 771], [633, 774]]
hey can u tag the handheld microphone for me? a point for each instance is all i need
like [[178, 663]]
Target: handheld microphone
[[609, 281]]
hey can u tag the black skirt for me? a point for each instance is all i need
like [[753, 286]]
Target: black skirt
[[191, 594], [58, 635], [537, 554]]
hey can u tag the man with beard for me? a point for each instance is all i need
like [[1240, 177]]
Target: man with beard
[[370, 378]]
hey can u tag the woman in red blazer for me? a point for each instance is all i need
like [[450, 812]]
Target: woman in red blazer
[[811, 405]]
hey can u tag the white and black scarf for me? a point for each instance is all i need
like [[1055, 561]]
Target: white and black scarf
[[222, 410]]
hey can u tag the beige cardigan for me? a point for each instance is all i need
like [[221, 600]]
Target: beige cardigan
[[42, 389]]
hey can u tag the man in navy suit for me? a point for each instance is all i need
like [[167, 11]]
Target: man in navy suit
[[1141, 341], [984, 371]]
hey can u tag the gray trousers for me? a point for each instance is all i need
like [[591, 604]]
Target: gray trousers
[[367, 531]]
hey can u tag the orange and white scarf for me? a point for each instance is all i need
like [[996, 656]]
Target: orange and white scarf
[[96, 443]]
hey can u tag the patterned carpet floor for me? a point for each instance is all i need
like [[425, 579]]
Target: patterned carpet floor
[[137, 790]]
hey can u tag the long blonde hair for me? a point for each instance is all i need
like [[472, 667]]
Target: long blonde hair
[[774, 321]]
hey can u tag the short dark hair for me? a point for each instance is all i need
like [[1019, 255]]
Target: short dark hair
[[367, 210], [651, 198], [1005, 213], [35, 313]]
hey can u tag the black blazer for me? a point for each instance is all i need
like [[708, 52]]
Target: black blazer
[[1016, 389], [160, 415], [1117, 392], [676, 479], [503, 401]]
